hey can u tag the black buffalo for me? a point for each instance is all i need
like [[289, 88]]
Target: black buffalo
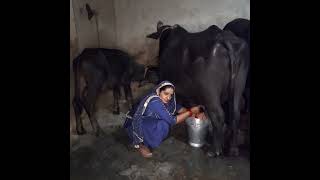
[[102, 68], [241, 28], [209, 68]]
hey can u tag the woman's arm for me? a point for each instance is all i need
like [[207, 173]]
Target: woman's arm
[[158, 107], [182, 110]]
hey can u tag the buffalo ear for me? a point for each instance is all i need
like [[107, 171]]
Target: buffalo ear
[[159, 24], [153, 35]]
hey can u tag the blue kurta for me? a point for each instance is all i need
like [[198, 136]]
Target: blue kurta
[[156, 123]]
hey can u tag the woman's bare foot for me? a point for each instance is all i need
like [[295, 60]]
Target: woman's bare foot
[[144, 151]]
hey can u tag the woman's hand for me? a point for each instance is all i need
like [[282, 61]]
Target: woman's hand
[[195, 109], [201, 116], [198, 112]]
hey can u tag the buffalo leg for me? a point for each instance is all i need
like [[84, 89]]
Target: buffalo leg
[[90, 107], [84, 92], [83, 96], [128, 94], [216, 116], [116, 96], [235, 109], [234, 151], [247, 91], [77, 106], [247, 99]]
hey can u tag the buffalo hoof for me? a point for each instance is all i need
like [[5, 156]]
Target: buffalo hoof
[[99, 133], [116, 112], [234, 151], [81, 131], [214, 154], [130, 106]]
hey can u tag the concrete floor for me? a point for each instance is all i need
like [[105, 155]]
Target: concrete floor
[[109, 157]]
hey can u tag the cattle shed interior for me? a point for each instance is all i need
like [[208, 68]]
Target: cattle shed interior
[[124, 25]]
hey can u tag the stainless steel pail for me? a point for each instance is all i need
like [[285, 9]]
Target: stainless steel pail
[[197, 131]]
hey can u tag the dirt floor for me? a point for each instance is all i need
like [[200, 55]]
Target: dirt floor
[[110, 157]]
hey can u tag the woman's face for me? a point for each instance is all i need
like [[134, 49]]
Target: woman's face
[[166, 94]]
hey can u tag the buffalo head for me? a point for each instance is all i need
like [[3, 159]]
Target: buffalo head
[[160, 29], [151, 75], [143, 74], [137, 72]]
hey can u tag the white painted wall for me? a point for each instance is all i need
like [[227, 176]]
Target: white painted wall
[[124, 24], [73, 34], [87, 29]]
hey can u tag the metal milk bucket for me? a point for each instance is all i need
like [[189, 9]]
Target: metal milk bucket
[[197, 131]]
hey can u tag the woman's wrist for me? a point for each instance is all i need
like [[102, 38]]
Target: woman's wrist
[[190, 112]]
